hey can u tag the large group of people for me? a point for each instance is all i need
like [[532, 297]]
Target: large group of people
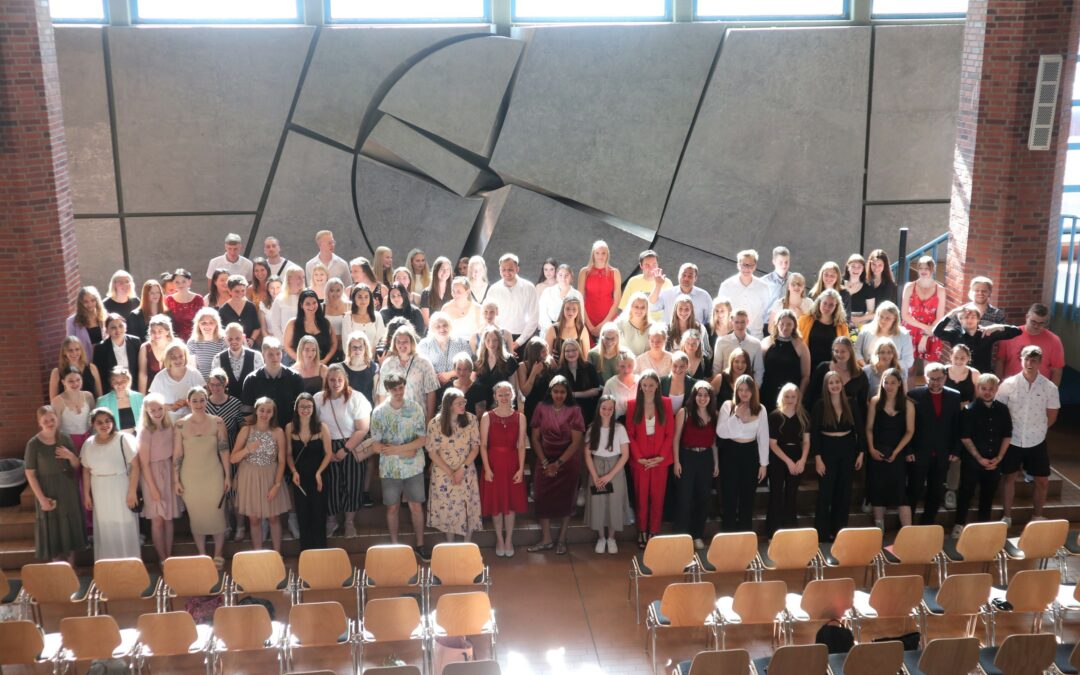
[[284, 393]]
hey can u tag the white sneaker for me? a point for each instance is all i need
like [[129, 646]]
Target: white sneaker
[[957, 530], [950, 499], [699, 545], [880, 524], [331, 527], [612, 547], [1007, 520], [867, 507], [240, 534], [1034, 518], [601, 544]]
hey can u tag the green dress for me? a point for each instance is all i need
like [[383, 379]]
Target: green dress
[[60, 531]]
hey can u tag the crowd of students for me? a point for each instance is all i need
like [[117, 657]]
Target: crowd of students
[[281, 393]]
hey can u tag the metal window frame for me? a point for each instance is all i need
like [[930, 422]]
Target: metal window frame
[[331, 19], [297, 19], [844, 15], [668, 15]]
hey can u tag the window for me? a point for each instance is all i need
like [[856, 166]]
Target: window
[[90, 11], [591, 10], [405, 11], [205, 11], [757, 10], [902, 9]]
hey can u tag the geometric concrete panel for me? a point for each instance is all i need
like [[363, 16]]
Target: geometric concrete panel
[[87, 135], [200, 112], [712, 270], [349, 64], [161, 243], [925, 222], [312, 191], [776, 156], [599, 114], [536, 227], [456, 92], [394, 142], [100, 251], [403, 211], [913, 115]]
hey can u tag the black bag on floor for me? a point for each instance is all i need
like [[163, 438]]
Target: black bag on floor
[[837, 639], [259, 601], [910, 640]]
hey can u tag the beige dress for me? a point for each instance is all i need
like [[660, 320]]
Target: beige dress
[[203, 479], [454, 509]]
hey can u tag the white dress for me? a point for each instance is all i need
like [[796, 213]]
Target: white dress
[[116, 527]]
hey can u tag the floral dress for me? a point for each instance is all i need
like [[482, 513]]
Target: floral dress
[[927, 312], [454, 509]]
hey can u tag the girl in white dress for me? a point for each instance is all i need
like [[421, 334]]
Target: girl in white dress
[[110, 483]]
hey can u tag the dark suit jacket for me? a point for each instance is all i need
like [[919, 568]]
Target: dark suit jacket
[[105, 360], [936, 437]]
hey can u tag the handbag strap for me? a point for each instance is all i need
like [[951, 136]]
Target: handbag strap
[[333, 413], [123, 455]]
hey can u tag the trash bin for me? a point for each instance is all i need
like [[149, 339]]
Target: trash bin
[[12, 481]]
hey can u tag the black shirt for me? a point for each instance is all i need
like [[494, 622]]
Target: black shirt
[[787, 432], [283, 389], [819, 426], [121, 308], [248, 317], [980, 344], [986, 426]]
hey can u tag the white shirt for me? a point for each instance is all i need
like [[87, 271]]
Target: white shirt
[[340, 414], [519, 308], [337, 268], [725, 344], [665, 303], [616, 447], [550, 304], [866, 342], [120, 351], [621, 392], [278, 268], [283, 309], [731, 427], [374, 330], [754, 297], [226, 360], [242, 266], [1028, 403], [176, 390]]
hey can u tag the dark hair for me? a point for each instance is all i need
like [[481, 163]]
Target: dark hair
[[445, 416], [299, 329], [313, 423], [113, 316], [598, 424], [392, 381], [547, 261], [901, 397], [405, 296], [658, 398], [886, 272], [212, 294], [181, 272], [371, 300], [560, 381], [693, 412], [437, 294]]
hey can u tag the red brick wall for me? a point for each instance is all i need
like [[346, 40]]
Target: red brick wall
[[1006, 199], [39, 272]]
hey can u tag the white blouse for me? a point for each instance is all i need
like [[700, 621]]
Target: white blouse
[[730, 426]]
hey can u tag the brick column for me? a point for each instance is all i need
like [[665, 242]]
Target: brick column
[[1006, 199], [39, 272]]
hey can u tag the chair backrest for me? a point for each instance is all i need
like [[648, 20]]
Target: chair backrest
[[726, 662], [457, 563], [688, 604], [190, 575], [982, 542], [667, 555], [168, 633], [1033, 590], [793, 549], [875, 658], [318, 623], [258, 571], [947, 656], [242, 627], [390, 564], [121, 578], [463, 613], [90, 637], [391, 619], [5, 585], [732, 551], [896, 596], [857, 546], [1043, 538], [1026, 654], [472, 668], [20, 642], [827, 599], [964, 593], [759, 601], [799, 660], [325, 568], [50, 582], [918, 544]]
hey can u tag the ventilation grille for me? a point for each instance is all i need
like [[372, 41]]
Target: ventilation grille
[[1045, 104]]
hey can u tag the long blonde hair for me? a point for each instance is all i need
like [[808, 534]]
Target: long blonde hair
[[146, 422], [82, 315]]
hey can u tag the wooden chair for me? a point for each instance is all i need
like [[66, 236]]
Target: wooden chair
[[456, 564], [168, 635], [683, 605], [855, 548], [959, 595], [727, 662], [795, 549], [667, 555], [871, 658], [391, 566], [23, 644], [320, 624], [55, 583], [1040, 541], [393, 620], [915, 545], [890, 598], [944, 656], [325, 570], [123, 579], [393, 670], [795, 660], [244, 628], [1067, 659], [978, 543], [822, 600], [1068, 600], [189, 576], [86, 638], [730, 553], [754, 603], [473, 668], [1031, 591], [1019, 655], [259, 572], [465, 614]]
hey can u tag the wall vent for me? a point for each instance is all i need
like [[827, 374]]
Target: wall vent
[[1047, 85]]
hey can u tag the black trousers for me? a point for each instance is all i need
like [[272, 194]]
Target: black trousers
[[972, 475], [783, 492], [692, 491], [311, 514], [834, 488], [738, 476], [926, 481]]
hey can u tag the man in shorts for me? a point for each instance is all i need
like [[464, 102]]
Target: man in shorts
[[398, 432], [1033, 405]]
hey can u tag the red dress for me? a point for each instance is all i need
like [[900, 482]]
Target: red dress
[[183, 314], [925, 311], [599, 294], [502, 495]]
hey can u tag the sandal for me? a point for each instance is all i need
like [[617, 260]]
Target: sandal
[[537, 548], [561, 548], [219, 562], [641, 540]]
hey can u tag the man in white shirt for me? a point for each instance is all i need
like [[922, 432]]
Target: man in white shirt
[[231, 261], [664, 301], [1033, 406], [738, 337], [777, 279], [277, 262], [745, 291], [238, 360], [334, 264], [516, 299], [651, 276]]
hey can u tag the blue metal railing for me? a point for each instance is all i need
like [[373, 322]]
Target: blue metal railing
[[930, 248], [1067, 280]]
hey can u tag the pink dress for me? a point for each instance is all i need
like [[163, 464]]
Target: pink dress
[[925, 311], [160, 446]]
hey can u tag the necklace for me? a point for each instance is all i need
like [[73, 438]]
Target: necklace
[[504, 422]]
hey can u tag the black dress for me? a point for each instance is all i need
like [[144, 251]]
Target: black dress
[[482, 390], [886, 481], [782, 365], [136, 325], [121, 308], [248, 318], [309, 501], [363, 381], [820, 342], [584, 379], [966, 387]]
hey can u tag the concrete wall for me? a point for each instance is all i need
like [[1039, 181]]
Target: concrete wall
[[684, 137]]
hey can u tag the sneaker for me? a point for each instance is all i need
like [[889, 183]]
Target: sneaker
[[1007, 520], [294, 525], [581, 497], [612, 547], [366, 501], [601, 545], [880, 524], [866, 507], [957, 530], [240, 534], [422, 553], [950, 499], [699, 545], [1028, 477], [1034, 518]]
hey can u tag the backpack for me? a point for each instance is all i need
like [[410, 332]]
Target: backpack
[[201, 608], [837, 639]]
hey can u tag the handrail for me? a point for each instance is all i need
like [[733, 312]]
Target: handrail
[[1069, 296], [931, 246]]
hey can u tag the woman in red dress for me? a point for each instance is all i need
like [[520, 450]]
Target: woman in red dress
[[923, 306], [183, 305], [502, 450], [601, 284], [650, 424], [558, 435]]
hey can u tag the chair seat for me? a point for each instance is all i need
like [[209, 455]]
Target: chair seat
[[654, 607], [929, 597], [639, 557], [793, 603], [683, 668], [826, 553], [129, 638], [14, 586], [1061, 658], [1012, 549], [986, 660], [949, 549], [725, 608], [836, 663], [911, 662], [203, 632], [1072, 544], [861, 605], [1065, 597], [704, 563], [436, 581]]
